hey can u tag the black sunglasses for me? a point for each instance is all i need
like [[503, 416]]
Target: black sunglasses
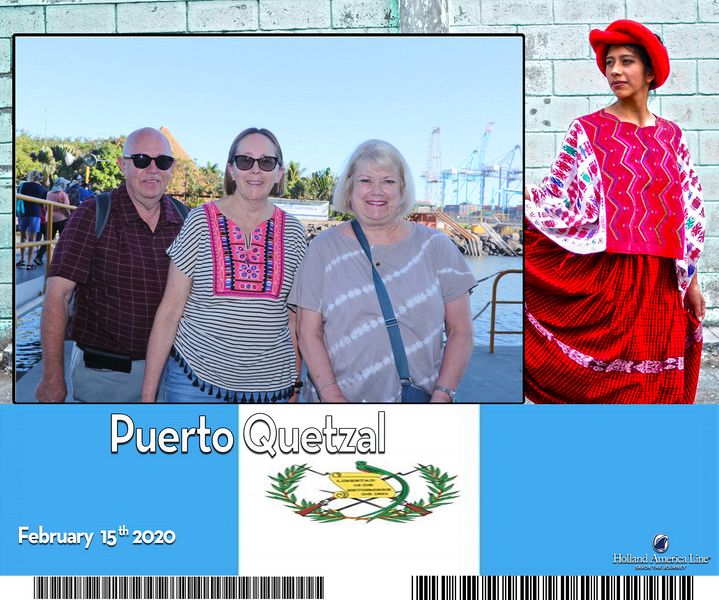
[[245, 163], [142, 161]]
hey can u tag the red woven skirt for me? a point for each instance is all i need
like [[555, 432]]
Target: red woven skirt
[[606, 328]]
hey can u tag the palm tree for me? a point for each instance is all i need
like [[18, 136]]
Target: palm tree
[[294, 187], [211, 169], [46, 158], [321, 184], [212, 180]]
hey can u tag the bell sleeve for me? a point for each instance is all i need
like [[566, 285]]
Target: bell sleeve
[[694, 221], [568, 206]]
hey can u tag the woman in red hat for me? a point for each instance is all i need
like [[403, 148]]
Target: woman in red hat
[[614, 233]]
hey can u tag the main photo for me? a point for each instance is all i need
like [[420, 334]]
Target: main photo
[[271, 219]]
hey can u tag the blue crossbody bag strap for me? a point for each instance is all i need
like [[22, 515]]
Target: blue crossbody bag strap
[[390, 321]]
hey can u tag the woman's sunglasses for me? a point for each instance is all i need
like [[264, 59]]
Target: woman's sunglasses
[[245, 163], [142, 161]]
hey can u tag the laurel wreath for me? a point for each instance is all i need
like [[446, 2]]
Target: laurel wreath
[[439, 484]]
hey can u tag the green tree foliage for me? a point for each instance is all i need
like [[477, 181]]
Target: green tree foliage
[[195, 185], [318, 186], [294, 184], [213, 181], [52, 155], [64, 153], [106, 174], [334, 215], [24, 162], [44, 156], [192, 184]]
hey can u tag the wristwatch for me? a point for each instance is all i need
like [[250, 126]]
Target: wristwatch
[[451, 393]]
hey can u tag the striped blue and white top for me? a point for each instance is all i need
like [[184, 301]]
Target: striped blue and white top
[[234, 331]]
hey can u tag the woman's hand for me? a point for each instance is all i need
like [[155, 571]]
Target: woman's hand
[[332, 394], [694, 300], [439, 396], [459, 346]]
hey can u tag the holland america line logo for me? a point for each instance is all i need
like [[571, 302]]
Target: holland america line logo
[[363, 495], [660, 543]]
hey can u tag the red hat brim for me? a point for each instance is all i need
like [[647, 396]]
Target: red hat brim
[[624, 32]]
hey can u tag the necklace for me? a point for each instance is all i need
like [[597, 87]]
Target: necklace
[[375, 257]]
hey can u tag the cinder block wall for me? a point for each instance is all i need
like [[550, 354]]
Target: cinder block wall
[[563, 82], [561, 79]]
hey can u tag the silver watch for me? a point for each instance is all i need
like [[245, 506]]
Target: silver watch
[[451, 393]]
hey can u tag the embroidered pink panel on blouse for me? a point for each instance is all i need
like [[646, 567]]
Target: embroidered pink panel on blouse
[[642, 186], [254, 272]]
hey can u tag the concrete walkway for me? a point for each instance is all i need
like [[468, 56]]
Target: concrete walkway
[[5, 388], [495, 377], [489, 378]]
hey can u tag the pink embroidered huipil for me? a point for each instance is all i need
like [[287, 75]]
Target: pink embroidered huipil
[[642, 189], [613, 238]]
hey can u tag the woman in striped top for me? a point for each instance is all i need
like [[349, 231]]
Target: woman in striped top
[[223, 320]]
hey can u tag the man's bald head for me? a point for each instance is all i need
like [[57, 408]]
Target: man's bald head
[[141, 136]]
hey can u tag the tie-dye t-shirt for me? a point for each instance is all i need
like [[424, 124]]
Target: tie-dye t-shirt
[[422, 273]]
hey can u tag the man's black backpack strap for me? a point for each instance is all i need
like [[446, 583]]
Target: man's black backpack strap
[[182, 209], [102, 211]]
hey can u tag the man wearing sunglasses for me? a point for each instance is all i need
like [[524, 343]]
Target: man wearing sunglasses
[[117, 275]]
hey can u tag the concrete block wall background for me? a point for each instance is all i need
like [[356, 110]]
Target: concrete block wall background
[[563, 82], [561, 79]]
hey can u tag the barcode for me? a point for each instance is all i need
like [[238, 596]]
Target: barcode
[[436, 587], [179, 588]]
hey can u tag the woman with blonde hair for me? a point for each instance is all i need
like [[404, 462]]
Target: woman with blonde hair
[[358, 347]]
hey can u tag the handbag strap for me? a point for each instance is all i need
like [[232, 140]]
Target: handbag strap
[[390, 321]]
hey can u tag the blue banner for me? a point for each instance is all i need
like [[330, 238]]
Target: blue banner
[[162, 512], [600, 490]]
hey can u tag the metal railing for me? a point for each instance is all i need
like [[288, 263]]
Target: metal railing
[[49, 241], [493, 303], [492, 330]]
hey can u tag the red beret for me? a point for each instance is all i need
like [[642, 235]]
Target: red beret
[[625, 32]]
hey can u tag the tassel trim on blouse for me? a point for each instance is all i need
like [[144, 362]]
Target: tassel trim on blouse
[[230, 396]]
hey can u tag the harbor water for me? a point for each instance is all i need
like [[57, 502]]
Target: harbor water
[[509, 316], [27, 342]]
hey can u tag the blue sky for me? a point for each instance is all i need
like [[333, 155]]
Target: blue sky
[[321, 95]]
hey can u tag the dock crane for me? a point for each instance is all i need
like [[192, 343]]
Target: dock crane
[[507, 175], [470, 171]]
